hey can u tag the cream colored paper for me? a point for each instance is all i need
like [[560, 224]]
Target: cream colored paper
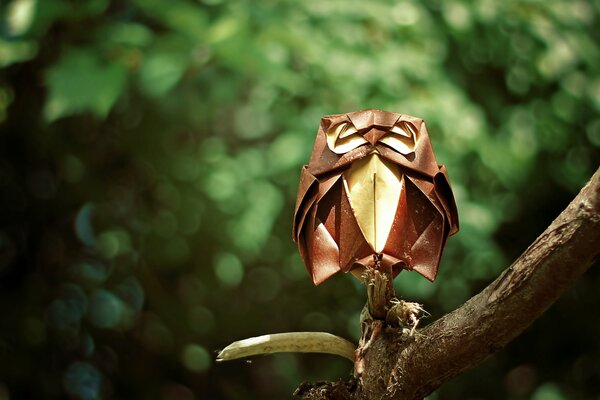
[[343, 138], [401, 138], [373, 186]]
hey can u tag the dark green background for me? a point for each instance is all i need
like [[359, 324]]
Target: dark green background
[[150, 152]]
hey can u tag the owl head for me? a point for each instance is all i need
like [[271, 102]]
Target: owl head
[[373, 196]]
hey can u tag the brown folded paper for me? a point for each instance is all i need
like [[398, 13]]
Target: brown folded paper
[[373, 196]]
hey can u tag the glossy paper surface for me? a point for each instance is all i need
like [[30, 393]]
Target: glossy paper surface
[[373, 190]]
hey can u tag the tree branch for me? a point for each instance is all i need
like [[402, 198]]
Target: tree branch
[[412, 369]]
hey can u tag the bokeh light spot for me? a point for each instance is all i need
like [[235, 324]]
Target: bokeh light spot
[[212, 150], [105, 310], [83, 381], [252, 123], [83, 225], [548, 391], [521, 380], [288, 151], [229, 269], [405, 13], [478, 217], [222, 183], [20, 15], [253, 161], [593, 132], [114, 243], [72, 169], [91, 272], [131, 293], [87, 345], [457, 15], [195, 358], [251, 230], [65, 312]]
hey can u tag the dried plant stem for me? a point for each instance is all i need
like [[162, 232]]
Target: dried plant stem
[[295, 342]]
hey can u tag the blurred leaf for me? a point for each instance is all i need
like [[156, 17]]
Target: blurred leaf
[[129, 34], [16, 51], [20, 16], [548, 391], [48, 12], [179, 15], [80, 82], [161, 71]]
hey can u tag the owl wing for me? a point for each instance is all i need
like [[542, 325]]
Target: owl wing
[[425, 218], [444, 193], [317, 224], [307, 194]]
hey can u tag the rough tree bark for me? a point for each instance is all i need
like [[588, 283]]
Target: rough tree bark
[[396, 367]]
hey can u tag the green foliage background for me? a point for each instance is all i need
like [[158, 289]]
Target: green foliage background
[[150, 152]]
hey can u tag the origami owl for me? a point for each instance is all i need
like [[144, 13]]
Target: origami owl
[[373, 196]]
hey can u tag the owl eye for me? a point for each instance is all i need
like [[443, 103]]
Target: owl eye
[[402, 138], [344, 137]]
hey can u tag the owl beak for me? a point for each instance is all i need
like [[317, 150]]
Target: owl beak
[[374, 135]]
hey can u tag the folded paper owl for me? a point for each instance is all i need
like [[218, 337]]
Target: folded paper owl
[[373, 196]]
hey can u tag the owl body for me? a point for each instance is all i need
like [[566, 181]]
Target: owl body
[[373, 196]]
